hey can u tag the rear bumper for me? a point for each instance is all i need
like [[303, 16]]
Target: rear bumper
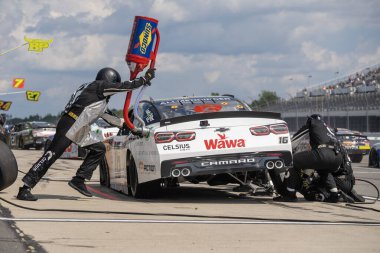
[[229, 163], [358, 151]]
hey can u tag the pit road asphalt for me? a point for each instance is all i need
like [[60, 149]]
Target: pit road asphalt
[[40, 231]]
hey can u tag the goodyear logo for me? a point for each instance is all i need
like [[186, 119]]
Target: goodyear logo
[[145, 38]]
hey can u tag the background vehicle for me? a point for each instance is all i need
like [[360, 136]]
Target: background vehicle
[[217, 140], [356, 144], [100, 128], [374, 156], [31, 134]]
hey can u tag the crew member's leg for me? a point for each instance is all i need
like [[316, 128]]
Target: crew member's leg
[[88, 167], [59, 144], [332, 162]]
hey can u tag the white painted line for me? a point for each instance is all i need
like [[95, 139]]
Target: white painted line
[[368, 197], [367, 172], [225, 222]]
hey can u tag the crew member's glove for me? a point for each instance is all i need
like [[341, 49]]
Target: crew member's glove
[[149, 75]]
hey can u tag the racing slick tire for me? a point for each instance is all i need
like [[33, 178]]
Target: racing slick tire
[[8, 167], [356, 158], [373, 160], [104, 177], [146, 190]]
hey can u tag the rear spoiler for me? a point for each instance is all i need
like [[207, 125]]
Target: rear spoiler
[[218, 115]]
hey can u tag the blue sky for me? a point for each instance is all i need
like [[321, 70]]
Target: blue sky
[[239, 47]]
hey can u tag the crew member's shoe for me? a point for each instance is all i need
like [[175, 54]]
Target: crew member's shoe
[[333, 198], [289, 197], [78, 184], [25, 194]]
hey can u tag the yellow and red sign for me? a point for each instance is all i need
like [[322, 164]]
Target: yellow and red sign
[[18, 83], [33, 95], [37, 45], [5, 105]]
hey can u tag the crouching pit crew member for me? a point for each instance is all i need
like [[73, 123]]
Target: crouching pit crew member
[[87, 104], [324, 157]]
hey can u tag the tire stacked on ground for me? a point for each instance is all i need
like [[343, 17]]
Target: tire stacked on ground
[[8, 167]]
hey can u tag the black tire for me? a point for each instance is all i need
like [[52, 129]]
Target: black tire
[[373, 159], [145, 190], [8, 167], [356, 158], [104, 173]]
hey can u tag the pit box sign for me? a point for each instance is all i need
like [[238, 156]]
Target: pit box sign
[[33, 95], [18, 83], [5, 105]]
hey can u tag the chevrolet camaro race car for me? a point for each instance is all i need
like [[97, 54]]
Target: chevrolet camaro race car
[[374, 156], [195, 139]]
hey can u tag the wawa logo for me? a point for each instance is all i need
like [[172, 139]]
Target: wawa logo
[[223, 142]]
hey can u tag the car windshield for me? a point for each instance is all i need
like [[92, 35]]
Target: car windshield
[[42, 125], [189, 106]]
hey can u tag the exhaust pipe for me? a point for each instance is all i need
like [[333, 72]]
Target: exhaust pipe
[[269, 165], [185, 172], [279, 164], [176, 173]]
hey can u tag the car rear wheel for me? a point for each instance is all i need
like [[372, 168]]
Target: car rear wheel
[[8, 167], [356, 158], [145, 190], [374, 159], [104, 177]]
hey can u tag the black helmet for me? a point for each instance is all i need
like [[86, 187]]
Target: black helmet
[[316, 116], [108, 74]]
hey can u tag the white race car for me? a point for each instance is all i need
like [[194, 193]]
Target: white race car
[[195, 139]]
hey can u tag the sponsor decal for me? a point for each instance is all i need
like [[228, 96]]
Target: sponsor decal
[[149, 168], [207, 108], [149, 116], [195, 100], [45, 158], [224, 143], [145, 38], [180, 147], [227, 162]]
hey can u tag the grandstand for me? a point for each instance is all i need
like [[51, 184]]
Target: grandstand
[[351, 102]]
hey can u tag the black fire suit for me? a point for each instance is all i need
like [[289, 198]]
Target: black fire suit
[[86, 105], [324, 155]]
